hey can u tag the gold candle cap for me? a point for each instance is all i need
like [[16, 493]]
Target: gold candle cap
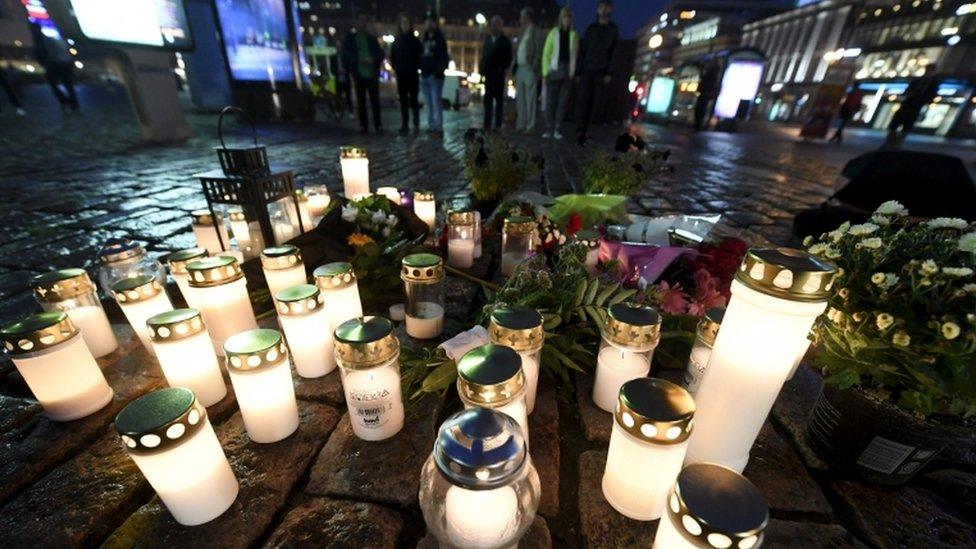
[[366, 342], [518, 224], [159, 421], [712, 506], [422, 268], [204, 217], [490, 376], [62, 284], [632, 327], [589, 238], [299, 300], [517, 327], [175, 325], [236, 215], [214, 271], [281, 257], [460, 217], [423, 195], [709, 324], [178, 261], [334, 276], [135, 289], [352, 152], [120, 250], [655, 410], [786, 273], [37, 332], [254, 350]]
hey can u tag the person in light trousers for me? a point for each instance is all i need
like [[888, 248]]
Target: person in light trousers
[[528, 59], [433, 63], [558, 69]]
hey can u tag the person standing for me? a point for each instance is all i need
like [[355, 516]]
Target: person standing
[[918, 94], [596, 51], [363, 56], [528, 59], [558, 69], [433, 63], [852, 104], [52, 54], [405, 57], [496, 56], [11, 95]]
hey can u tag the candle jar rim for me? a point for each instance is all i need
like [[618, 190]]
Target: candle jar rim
[[175, 325], [61, 284], [160, 420], [708, 326], [517, 327], [178, 260], [122, 250], [423, 195], [334, 276], [277, 258], [712, 500], [632, 327], [490, 375], [299, 300], [422, 268], [136, 289], [214, 271], [463, 217], [254, 350], [205, 218], [588, 237], [236, 214], [787, 273], [518, 224], [349, 151], [37, 332], [366, 342], [480, 449], [655, 410]]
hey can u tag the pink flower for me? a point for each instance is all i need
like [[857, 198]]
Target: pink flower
[[707, 293], [673, 299]]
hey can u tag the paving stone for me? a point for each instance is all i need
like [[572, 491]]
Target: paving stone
[[460, 297], [326, 389], [324, 522], [544, 441], [779, 474], [15, 411], [596, 423], [267, 475], [792, 408], [600, 524], [957, 487], [386, 471], [536, 537], [784, 533]]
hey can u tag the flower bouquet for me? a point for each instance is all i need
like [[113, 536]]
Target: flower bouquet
[[496, 168]]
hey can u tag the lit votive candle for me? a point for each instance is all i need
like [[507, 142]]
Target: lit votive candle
[[169, 437], [630, 335], [702, 348], [477, 234], [301, 311], [423, 289], [205, 229], [218, 287], [258, 364], [490, 376], [283, 268], [340, 290], [521, 329], [304, 214], [250, 242], [712, 506], [318, 202], [186, 354], [368, 354], [391, 193], [56, 364], [140, 298], [177, 262], [518, 239], [776, 296], [651, 426], [460, 238], [590, 239], [355, 171], [425, 207], [72, 291]]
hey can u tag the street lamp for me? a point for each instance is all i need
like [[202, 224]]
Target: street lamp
[[480, 19], [655, 41]]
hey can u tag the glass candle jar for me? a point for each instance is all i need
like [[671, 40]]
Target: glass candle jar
[[124, 258], [368, 354], [284, 220], [521, 329], [177, 262], [712, 506], [479, 488], [246, 233], [318, 200], [186, 354], [71, 291], [490, 376], [140, 298], [704, 340], [283, 268], [169, 437], [460, 239], [301, 312], [477, 234], [651, 426], [776, 296], [218, 286], [518, 239], [355, 171], [340, 290], [423, 289], [391, 193], [210, 231], [630, 335], [590, 239], [56, 364], [258, 364], [304, 214], [425, 206]]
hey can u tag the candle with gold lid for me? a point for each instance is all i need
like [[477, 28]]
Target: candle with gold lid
[[258, 364], [521, 329], [56, 364], [206, 227], [629, 337], [423, 288], [218, 286], [460, 238], [186, 354], [355, 171], [340, 290], [490, 376], [391, 193], [301, 311], [590, 239], [123, 258], [425, 206], [72, 291], [283, 267], [177, 262], [518, 239], [169, 437], [702, 348], [140, 298], [318, 200]]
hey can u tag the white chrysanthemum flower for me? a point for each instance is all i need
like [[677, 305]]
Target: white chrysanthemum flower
[[378, 218], [863, 229], [349, 213], [892, 207], [950, 330], [392, 220], [890, 280], [946, 223], [808, 241], [957, 272], [872, 243], [929, 267], [832, 253], [881, 220], [901, 339], [884, 321], [967, 243], [817, 249], [878, 278], [969, 288]]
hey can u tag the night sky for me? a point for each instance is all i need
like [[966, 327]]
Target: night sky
[[629, 15]]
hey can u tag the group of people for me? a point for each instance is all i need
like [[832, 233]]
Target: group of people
[[52, 54]]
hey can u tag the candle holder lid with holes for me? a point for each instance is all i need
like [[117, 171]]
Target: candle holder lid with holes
[[794, 275], [517, 327], [632, 327], [159, 421], [246, 181], [255, 350], [280, 257], [366, 342], [299, 300], [422, 268], [655, 410], [490, 375], [178, 260]]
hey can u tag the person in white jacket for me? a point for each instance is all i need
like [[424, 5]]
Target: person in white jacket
[[527, 60], [558, 68]]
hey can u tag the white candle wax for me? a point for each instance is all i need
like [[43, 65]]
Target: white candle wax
[[530, 367], [391, 193], [397, 312], [343, 304], [374, 400], [427, 322], [426, 210], [592, 257], [191, 362], [242, 233], [317, 204], [95, 329], [614, 367], [311, 342], [226, 310], [668, 536], [183, 283], [279, 279], [138, 312], [460, 252], [305, 215], [510, 260], [206, 236], [355, 176], [516, 409], [267, 400], [697, 363], [481, 518], [639, 475]]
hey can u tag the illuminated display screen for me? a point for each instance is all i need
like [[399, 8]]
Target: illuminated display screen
[[158, 23], [256, 40], [37, 13], [740, 82], [659, 98]]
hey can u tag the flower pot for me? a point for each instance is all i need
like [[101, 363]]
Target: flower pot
[[872, 439]]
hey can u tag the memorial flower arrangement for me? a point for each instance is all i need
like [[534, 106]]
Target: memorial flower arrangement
[[378, 242], [901, 324], [496, 167], [632, 164]]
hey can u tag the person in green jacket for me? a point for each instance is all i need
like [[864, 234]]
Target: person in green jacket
[[558, 68]]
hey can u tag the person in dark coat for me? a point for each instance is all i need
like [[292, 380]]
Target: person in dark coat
[[433, 63], [596, 52], [852, 104], [405, 57], [52, 54], [363, 56], [496, 56], [919, 93]]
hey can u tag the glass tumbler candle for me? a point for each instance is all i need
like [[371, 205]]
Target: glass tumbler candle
[[301, 312], [518, 239], [776, 296], [318, 200], [304, 213], [368, 354], [490, 376], [169, 437], [712, 506], [590, 239], [460, 239], [283, 268], [71, 291], [140, 298], [423, 289], [56, 364], [425, 206], [391, 193], [521, 329], [340, 290], [186, 354], [355, 171], [702, 348], [248, 235], [651, 426], [219, 288], [210, 231], [479, 488], [124, 258], [177, 262], [630, 335], [258, 364]]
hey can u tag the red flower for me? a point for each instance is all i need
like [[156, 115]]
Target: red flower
[[574, 224]]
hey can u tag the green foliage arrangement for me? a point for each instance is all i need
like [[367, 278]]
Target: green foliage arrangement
[[622, 173], [496, 167], [378, 244]]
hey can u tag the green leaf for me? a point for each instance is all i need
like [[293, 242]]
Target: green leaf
[[602, 297], [441, 378], [592, 286], [621, 296], [551, 321], [580, 292], [565, 360], [845, 379]]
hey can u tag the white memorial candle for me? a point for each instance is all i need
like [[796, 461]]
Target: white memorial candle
[[630, 335], [186, 354], [425, 207], [72, 291], [494, 521], [490, 376], [702, 348], [177, 262], [301, 311], [218, 287], [258, 364], [518, 239], [391, 193], [340, 290], [205, 228], [318, 203], [140, 298], [240, 228], [427, 322], [368, 352], [521, 329], [423, 289], [283, 268], [460, 238], [355, 171], [460, 253]]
